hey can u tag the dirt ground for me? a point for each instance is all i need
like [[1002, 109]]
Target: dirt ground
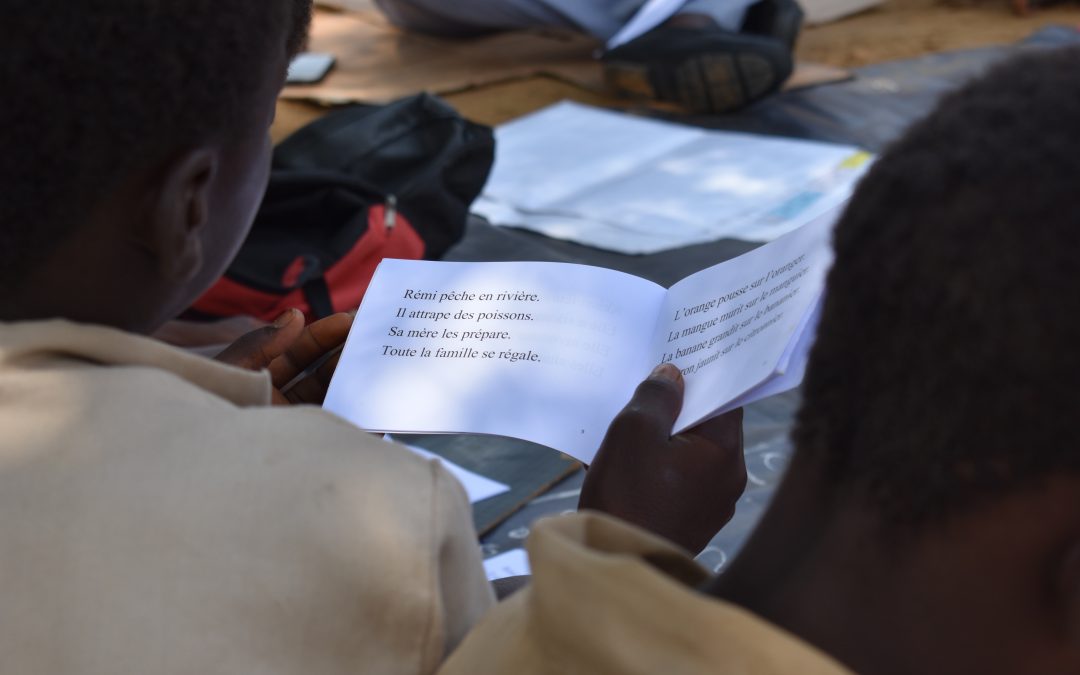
[[902, 29]]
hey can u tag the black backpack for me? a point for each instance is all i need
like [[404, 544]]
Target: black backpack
[[359, 185]]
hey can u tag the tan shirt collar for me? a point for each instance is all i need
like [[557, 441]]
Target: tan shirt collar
[[608, 595], [35, 344]]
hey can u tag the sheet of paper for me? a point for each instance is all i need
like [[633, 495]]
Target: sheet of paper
[[513, 563], [477, 487], [567, 149], [603, 235], [546, 352], [640, 186], [792, 375], [732, 327], [652, 14]]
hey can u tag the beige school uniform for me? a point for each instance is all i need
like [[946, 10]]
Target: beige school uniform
[[157, 517], [608, 598]]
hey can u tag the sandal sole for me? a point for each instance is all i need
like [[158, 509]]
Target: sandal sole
[[713, 82]]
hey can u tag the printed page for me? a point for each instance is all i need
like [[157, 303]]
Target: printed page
[[727, 185], [546, 352], [569, 149], [790, 372], [734, 326], [608, 236], [638, 186]]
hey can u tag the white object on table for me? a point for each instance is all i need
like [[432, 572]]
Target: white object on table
[[638, 186], [477, 487], [513, 563]]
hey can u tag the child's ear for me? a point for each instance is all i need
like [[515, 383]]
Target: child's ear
[[180, 212]]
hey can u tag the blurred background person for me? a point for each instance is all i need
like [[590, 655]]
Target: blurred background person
[[708, 56]]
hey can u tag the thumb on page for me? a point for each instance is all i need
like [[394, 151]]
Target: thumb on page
[[680, 487], [656, 402]]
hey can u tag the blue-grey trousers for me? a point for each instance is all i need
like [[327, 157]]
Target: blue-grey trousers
[[600, 18]]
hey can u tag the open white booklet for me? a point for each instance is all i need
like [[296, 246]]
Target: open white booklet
[[550, 352]]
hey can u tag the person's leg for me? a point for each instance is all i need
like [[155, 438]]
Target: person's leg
[[728, 14], [600, 18], [699, 62], [730, 53]]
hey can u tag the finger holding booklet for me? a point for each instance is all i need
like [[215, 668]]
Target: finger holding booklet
[[550, 352]]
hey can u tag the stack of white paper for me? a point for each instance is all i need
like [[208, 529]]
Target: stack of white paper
[[634, 185]]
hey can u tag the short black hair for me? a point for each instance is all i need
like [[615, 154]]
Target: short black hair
[[948, 358], [96, 89]]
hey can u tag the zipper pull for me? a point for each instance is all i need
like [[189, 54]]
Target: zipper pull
[[391, 213]]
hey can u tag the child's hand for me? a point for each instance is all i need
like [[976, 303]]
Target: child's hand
[[288, 348], [683, 488], [207, 334]]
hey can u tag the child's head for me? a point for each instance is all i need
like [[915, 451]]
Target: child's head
[[947, 364], [941, 421], [133, 149]]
